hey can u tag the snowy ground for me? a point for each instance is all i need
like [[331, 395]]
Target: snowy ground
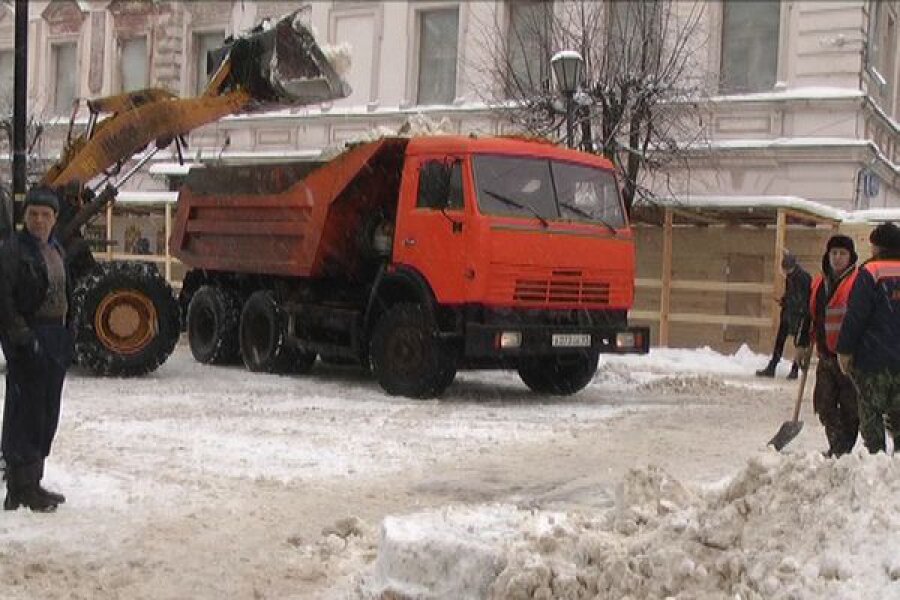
[[210, 482]]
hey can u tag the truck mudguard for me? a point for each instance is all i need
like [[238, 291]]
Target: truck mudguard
[[397, 284]]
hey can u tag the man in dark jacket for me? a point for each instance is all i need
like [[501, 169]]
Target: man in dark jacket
[[34, 303], [868, 346], [794, 306], [834, 396]]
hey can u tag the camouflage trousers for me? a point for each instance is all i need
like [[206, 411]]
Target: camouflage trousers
[[879, 408]]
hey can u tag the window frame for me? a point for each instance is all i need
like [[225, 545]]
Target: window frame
[[418, 12], [544, 72], [722, 85], [53, 72], [193, 81], [120, 50]]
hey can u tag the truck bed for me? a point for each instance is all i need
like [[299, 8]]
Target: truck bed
[[292, 219]]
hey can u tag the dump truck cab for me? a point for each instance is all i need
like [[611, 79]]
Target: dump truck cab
[[416, 257]]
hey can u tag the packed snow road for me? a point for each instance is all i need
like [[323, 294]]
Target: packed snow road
[[211, 482]]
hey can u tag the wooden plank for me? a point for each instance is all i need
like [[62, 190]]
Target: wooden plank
[[109, 229], [167, 230], [702, 318], [665, 297], [696, 285], [778, 278]]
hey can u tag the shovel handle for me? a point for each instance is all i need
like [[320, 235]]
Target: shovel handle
[[803, 374]]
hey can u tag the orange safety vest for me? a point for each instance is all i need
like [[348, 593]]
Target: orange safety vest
[[883, 269], [834, 310]]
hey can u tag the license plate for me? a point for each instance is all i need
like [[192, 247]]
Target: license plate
[[571, 340]]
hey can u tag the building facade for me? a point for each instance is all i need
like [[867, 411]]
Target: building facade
[[802, 96], [799, 100]]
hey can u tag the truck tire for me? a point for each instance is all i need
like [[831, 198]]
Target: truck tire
[[213, 317], [408, 358], [127, 320], [561, 375], [263, 338]]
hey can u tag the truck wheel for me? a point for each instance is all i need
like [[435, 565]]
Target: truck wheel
[[560, 375], [212, 323], [407, 357], [127, 319], [263, 338]]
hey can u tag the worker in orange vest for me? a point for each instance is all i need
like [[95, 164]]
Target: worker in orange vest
[[834, 397], [868, 345]]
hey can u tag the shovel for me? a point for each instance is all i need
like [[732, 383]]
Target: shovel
[[790, 429]]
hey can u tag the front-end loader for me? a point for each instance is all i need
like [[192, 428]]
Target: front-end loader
[[125, 314]]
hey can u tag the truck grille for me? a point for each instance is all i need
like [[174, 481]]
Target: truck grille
[[561, 287]]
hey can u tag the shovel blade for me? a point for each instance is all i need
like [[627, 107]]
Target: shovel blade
[[788, 431]]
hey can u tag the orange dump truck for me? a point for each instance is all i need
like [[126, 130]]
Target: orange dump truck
[[415, 257]]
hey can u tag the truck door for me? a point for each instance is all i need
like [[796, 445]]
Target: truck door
[[433, 225]]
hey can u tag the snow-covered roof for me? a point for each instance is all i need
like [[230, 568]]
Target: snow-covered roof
[[873, 215], [172, 168], [138, 197], [761, 209], [753, 208], [796, 93]]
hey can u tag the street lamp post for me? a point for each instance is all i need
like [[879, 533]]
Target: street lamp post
[[568, 68]]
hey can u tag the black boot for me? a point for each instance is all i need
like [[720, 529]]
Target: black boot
[[22, 490], [769, 371], [54, 496], [795, 371]]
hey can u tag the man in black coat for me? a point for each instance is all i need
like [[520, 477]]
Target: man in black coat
[[868, 346], [34, 304], [794, 308]]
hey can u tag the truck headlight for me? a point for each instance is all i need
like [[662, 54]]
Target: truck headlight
[[625, 340], [509, 339]]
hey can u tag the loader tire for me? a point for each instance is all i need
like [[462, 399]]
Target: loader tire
[[213, 317], [263, 338], [126, 319], [561, 375], [408, 358]]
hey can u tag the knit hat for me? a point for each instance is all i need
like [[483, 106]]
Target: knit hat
[[788, 261], [42, 196], [887, 236], [842, 241]]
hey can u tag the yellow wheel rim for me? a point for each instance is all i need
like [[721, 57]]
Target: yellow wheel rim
[[126, 321]]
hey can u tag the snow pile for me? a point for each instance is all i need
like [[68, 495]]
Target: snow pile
[[340, 56], [682, 371], [797, 526]]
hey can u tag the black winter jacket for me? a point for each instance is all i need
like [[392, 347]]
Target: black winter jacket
[[23, 285], [795, 302], [871, 328]]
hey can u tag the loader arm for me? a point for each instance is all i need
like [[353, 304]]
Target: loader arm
[[279, 66], [127, 132]]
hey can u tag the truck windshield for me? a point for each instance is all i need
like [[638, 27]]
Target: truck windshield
[[551, 190]]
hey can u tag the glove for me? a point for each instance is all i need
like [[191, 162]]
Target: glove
[[803, 356], [845, 363]]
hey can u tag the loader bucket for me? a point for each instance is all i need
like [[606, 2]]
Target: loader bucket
[[280, 65]]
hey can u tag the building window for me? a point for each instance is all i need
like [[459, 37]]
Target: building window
[[65, 77], [749, 45], [528, 46], [882, 45], [634, 35], [203, 43], [133, 65], [438, 33], [7, 73]]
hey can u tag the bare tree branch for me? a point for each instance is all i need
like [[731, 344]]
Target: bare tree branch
[[639, 103]]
